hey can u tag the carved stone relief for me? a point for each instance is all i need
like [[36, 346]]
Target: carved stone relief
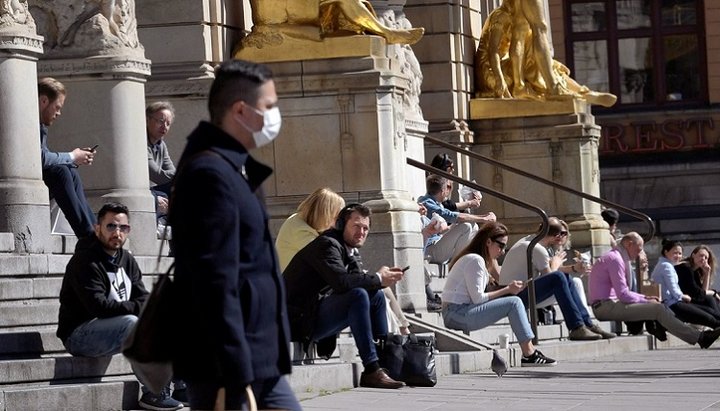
[[15, 13], [81, 28]]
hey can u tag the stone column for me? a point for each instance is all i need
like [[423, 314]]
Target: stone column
[[94, 50], [23, 196], [556, 140]]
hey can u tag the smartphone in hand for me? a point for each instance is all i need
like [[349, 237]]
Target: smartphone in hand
[[406, 268], [94, 147]]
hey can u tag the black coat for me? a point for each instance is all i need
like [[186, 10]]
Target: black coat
[[231, 300], [85, 287], [690, 282], [323, 263]]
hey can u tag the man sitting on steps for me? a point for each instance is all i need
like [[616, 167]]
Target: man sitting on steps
[[101, 296], [327, 291]]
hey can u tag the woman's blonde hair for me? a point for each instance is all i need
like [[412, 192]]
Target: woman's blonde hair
[[320, 209]]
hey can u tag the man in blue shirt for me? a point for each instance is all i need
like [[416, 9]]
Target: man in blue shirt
[[59, 170], [442, 246]]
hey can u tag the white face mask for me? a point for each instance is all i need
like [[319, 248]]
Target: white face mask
[[270, 129]]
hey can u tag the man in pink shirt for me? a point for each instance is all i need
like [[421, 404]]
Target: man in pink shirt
[[612, 300]]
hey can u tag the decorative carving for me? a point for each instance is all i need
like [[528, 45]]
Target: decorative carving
[[514, 58], [313, 20], [119, 66], [347, 140], [15, 12], [87, 27], [556, 148], [407, 61]]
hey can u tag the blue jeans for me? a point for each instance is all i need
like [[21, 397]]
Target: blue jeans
[[273, 393], [364, 311], [100, 337], [558, 284], [66, 187], [470, 317]]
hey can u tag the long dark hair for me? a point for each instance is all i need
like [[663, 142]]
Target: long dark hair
[[478, 245]]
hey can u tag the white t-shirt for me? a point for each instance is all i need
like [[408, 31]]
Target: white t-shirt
[[466, 281], [514, 267]]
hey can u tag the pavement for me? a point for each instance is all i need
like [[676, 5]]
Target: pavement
[[685, 378]]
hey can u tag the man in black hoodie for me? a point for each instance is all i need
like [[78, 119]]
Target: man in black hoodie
[[102, 294]]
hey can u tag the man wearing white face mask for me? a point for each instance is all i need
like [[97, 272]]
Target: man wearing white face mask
[[230, 292]]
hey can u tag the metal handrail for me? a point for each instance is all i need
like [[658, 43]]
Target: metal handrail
[[626, 210], [528, 206]]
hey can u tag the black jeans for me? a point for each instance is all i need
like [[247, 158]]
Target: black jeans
[[66, 188]]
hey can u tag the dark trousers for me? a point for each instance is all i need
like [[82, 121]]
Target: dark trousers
[[273, 393], [696, 314], [65, 186], [558, 285], [363, 311]]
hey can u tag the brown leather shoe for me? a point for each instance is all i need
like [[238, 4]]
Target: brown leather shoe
[[379, 379]]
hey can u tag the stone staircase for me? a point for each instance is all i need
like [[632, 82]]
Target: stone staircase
[[37, 373]]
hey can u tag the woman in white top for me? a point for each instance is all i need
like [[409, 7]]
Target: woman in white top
[[466, 305]]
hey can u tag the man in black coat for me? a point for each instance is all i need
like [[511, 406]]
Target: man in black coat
[[328, 267], [231, 297]]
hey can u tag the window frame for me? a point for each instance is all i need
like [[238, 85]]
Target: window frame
[[657, 33]]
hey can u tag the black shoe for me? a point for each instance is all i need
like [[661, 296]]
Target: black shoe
[[707, 338], [634, 327], [433, 306], [656, 329], [537, 359]]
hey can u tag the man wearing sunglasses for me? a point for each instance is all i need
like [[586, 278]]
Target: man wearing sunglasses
[[101, 296], [551, 281]]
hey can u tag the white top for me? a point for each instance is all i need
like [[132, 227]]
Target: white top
[[514, 267], [466, 282]]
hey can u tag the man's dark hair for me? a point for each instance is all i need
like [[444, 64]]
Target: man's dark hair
[[235, 80], [347, 211], [610, 215], [555, 226], [116, 208], [435, 184], [50, 88]]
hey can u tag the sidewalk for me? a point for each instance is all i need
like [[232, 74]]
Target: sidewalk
[[666, 379]]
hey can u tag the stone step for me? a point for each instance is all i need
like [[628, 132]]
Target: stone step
[[35, 341], [59, 367], [113, 393], [7, 242], [42, 287], [28, 312], [34, 265]]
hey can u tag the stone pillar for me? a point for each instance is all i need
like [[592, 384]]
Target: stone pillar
[[23, 196], [96, 53], [556, 140]]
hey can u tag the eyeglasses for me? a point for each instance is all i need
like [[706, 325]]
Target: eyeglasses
[[562, 234], [112, 227], [500, 244], [161, 121]]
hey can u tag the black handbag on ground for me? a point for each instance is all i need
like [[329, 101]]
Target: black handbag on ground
[[409, 358]]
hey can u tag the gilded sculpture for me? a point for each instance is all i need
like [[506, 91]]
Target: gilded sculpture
[[276, 20], [514, 58]]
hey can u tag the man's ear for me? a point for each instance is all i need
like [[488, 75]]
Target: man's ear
[[44, 101]]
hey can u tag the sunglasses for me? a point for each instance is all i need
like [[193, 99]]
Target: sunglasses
[[500, 244], [112, 227], [561, 234]]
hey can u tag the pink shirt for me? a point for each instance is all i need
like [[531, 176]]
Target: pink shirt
[[607, 280]]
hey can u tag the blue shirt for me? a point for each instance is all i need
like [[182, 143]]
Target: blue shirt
[[664, 274], [433, 206]]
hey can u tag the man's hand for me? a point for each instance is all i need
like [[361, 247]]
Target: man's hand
[[652, 299], [515, 287], [489, 217], [83, 157], [390, 276], [686, 298], [556, 261], [162, 204]]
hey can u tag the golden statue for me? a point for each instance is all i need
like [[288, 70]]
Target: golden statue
[[274, 20], [513, 59]]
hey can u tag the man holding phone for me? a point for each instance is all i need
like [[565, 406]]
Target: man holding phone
[[327, 291], [59, 170]]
